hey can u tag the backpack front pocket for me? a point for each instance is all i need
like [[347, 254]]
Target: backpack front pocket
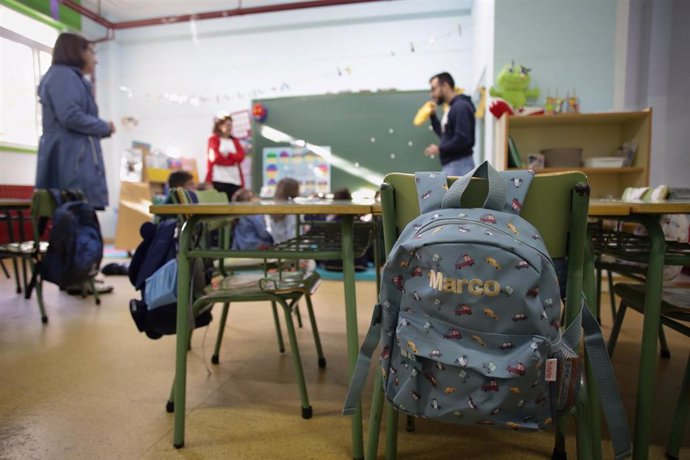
[[455, 374]]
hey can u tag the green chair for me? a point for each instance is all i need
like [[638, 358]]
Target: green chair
[[238, 284], [42, 207], [675, 311], [612, 265], [557, 206], [226, 267]]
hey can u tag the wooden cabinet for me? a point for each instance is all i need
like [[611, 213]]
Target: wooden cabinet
[[597, 134]]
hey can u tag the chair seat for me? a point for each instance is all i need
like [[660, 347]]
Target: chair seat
[[675, 302], [23, 248], [257, 285], [236, 263]]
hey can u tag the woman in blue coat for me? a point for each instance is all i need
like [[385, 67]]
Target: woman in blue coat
[[69, 152]]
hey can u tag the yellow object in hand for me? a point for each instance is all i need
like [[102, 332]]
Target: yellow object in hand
[[424, 113]]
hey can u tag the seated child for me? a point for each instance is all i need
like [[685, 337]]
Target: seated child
[[181, 178], [362, 262], [284, 227], [250, 232]]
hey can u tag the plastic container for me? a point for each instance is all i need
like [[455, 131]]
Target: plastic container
[[604, 162], [562, 158]]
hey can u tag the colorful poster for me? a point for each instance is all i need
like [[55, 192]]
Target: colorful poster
[[311, 170]]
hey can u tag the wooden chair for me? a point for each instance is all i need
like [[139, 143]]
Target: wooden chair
[[557, 206], [675, 314], [279, 287]]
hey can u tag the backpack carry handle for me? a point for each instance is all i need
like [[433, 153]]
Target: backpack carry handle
[[496, 195]]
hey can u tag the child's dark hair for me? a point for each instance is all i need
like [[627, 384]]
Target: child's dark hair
[[243, 194], [286, 189], [342, 194], [179, 178]]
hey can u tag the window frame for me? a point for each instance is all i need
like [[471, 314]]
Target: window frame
[[36, 49]]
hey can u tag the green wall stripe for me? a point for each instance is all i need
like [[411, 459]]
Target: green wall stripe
[[40, 11]]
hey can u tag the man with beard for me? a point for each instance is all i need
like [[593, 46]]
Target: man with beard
[[455, 129]]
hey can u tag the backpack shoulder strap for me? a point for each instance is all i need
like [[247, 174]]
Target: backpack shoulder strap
[[517, 185], [604, 378], [359, 375], [431, 188]]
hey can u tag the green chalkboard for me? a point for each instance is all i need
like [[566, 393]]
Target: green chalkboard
[[368, 131]]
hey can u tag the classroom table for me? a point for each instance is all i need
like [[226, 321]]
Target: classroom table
[[655, 253], [196, 213], [12, 210]]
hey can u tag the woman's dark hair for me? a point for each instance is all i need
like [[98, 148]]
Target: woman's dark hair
[[219, 121], [68, 49]]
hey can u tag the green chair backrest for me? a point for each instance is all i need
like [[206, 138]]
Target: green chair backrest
[[211, 196], [547, 205], [556, 205], [43, 205]]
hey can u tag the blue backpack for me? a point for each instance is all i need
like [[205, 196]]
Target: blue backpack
[[468, 318], [75, 247], [154, 266]]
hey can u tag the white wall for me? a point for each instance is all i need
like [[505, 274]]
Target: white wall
[[227, 62], [483, 70], [567, 44]]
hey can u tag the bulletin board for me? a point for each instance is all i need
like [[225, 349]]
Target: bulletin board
[[309, 169], [367, 130]]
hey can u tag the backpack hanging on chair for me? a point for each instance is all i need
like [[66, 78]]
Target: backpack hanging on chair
[[75, 247], [153, 271], [469, 312]]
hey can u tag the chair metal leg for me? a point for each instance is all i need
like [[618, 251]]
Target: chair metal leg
[[221, 330], [170, 404], [279, 332], [315, 331], [4, 269], [391, 432], [597, 284], [680, 416], [375, 417], [665, 352], [16, 275], [612, 295], [298, 315], [39, 293], [92, 286], [297, 361], [616, 327], [584, 429]]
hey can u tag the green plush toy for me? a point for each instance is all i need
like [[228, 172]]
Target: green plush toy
[[512, 85]]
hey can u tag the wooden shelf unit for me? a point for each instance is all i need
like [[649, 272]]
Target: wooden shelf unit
[[597, 134]]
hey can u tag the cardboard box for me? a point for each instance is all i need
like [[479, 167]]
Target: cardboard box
[[133, 210]]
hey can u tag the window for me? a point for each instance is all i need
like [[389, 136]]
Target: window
[[25, 55]]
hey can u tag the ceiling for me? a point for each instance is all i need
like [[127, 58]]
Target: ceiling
[[117, 11]]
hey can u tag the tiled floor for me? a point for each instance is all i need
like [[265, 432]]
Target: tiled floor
[[89, 385]]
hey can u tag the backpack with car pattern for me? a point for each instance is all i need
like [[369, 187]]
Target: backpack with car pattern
[[469, 314]]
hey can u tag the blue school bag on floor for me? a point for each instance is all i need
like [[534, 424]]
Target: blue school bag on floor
[[468, 317]]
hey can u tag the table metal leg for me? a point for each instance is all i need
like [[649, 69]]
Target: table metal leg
[[351, 325], [182, 332], [650, 332]]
